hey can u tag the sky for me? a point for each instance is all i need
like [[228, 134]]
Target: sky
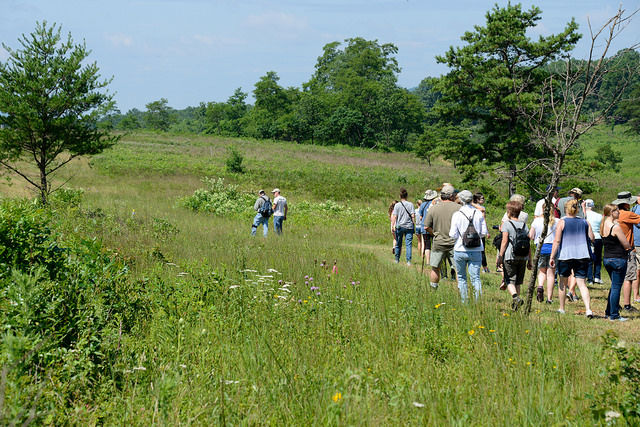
[[193, 51]]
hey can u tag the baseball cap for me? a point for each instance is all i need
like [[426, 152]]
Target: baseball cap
[[276, 190], [576, 190], [465, 196], [447, 190]]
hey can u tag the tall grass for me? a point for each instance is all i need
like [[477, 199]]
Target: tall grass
[[239, 333]]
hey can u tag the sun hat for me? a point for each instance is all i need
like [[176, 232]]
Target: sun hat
[[276, 190], [261, 192], [589, 203], [623, 197], [447, 190], [430, 195], [465, 196], [577, 191]]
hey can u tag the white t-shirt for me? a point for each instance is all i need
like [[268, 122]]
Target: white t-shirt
[[538, 224], [280, 203], [459, 224], [538, 211]]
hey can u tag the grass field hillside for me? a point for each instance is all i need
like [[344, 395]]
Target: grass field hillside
[[174, 315]]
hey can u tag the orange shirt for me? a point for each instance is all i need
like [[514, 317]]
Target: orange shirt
[[626, 221]]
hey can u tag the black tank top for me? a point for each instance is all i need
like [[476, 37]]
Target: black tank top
[[612, 246]]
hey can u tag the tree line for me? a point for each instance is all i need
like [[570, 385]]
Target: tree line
[[484, 115]]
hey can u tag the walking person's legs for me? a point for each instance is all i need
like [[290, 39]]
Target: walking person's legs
[[475, 264], [461, 260]]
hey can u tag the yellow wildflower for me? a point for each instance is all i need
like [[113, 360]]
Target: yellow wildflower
[[471, 332], [480, 327], [526, 332], [337, 397], [492, 330]]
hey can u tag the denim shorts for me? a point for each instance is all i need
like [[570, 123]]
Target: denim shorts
[[543, 260], [578, 266], [420, 229]]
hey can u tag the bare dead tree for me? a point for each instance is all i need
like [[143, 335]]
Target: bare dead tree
[[558, 117]]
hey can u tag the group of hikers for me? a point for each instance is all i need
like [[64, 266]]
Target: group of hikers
[[451, 230]]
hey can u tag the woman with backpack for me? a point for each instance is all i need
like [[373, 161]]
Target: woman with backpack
[[572, 247], [515, 250], [616, 250], [468, 228]]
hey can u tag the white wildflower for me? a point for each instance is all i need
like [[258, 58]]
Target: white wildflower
[[418, 404]]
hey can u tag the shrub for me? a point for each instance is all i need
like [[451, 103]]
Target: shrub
[[63, 307], [234, 161], [219, 199]]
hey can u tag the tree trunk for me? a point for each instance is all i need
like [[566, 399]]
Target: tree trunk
[[43, 184]]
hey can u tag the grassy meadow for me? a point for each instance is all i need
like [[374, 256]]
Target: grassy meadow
[[236, 329]]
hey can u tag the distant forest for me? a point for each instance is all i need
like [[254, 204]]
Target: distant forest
[[353, 98]]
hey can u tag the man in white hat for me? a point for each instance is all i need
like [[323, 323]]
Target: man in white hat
[[280, 209]]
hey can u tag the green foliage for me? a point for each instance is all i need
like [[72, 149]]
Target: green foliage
[[234, 161], [50, 103], [62, 306], [159, 115], [630, 109], [609, 157], [618, 398], [494, 77], [219, 199]]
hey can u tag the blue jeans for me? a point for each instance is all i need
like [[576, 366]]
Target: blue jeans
[[596, 261], [259, 219], [277, 223], [473, 260], [407, 234], [617, 269]]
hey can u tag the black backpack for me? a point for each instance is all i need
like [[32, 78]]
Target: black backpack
[[470, 237], [521, 243], [266, 210]]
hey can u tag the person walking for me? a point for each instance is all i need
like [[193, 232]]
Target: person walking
[[627, 220], [478, 203], [280, 210], [392, 225], [572, 246], [514, 256], [428, 198], [545, 272], [574, 194], [262, 213], [438, 223], [403, 221], [635, 286], [539, 209], [594, 219], [616, 249], [468, 229]]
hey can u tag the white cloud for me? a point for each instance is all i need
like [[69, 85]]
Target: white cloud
[[119, 39]]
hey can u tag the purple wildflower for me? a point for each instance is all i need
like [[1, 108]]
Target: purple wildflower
[[318, 293], [306, 277]]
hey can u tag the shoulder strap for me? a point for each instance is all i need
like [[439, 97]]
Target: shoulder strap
[[407, 210]]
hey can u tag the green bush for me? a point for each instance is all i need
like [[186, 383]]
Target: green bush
[[219, 199], [63, 308], [234, 161]]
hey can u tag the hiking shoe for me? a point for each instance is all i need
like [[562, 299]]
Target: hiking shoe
[[516, 303], [549, 301], [486, 269], [619, 319], [434, 285], [599, 281], [540, 294], [560, 311], [576, 297], [571, 297], [408, 263], [589, 314], [630, 309]]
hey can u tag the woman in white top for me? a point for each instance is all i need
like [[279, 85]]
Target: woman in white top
[[545, 271]]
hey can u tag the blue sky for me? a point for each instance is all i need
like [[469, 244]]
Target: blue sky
[[193, 51]]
